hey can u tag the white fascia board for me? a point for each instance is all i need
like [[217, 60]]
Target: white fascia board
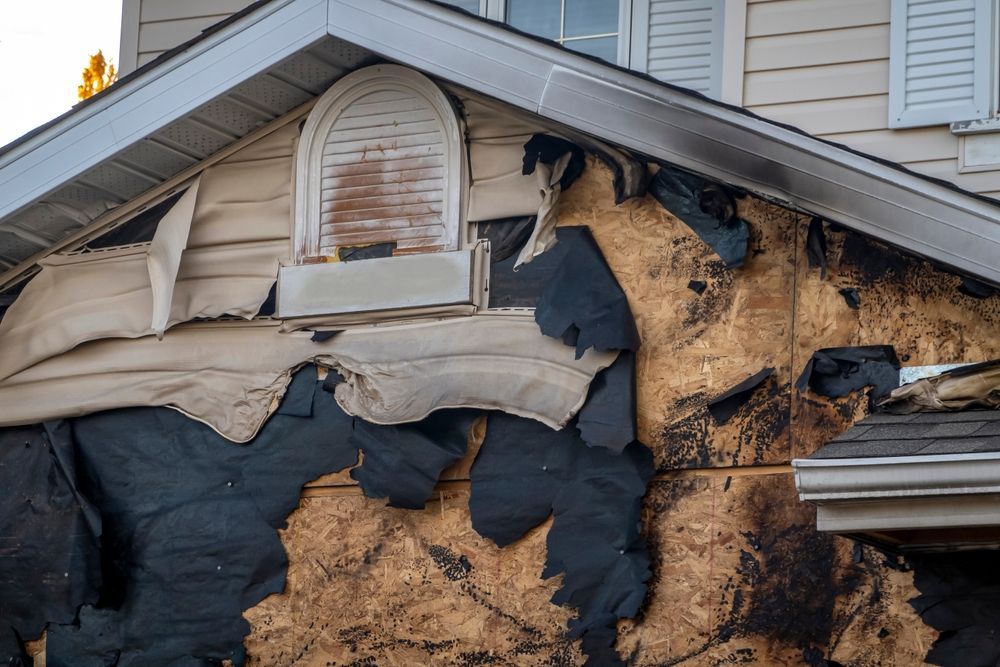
[[157, 98], [828, 481], [903, 209]]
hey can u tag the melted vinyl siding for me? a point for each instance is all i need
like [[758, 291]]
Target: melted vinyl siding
[[163, 24], [823, 66]]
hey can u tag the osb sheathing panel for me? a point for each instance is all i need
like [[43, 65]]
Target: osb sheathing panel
[[696, 347], [906, 302], [740, 577], [370, 585]]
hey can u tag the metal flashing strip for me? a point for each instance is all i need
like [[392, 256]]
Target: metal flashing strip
[[829, 480], [929, 218]]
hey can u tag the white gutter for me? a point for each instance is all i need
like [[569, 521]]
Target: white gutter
[[903, 492]]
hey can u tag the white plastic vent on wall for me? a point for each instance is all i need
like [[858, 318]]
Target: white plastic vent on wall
[[681, 42], [379, 160], [940, 54]]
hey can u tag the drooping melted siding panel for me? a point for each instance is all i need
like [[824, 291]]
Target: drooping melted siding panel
[[383, 175]]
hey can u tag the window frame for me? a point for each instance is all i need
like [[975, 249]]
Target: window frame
[[633, 17]]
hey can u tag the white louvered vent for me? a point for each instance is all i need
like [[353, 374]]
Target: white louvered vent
[[383, 175], [379, 160], [940, 61], [683, 43]]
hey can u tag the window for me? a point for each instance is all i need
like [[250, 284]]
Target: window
[[941, 61], [587, 26], [678, 41]]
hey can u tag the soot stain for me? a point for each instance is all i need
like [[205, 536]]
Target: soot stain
[[688, 257], [688, 440], [458, 569]]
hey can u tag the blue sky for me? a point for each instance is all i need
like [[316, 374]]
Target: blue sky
[[44, 45]]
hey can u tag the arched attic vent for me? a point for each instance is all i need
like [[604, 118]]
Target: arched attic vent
[[380, 160]]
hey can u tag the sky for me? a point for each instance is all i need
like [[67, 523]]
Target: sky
[[44, 46]]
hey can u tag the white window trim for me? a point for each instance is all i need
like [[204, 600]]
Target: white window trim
[[633, 16], [331, 104]]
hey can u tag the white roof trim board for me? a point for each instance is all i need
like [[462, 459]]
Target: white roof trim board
[[901, 492], [929, 218]]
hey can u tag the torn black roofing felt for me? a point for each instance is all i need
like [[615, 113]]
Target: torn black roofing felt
[[976, 289], [403, 462], [506, 236], [139, 229], [630, 177], [723, 407], [707, 208], [960, 598], [608, 418], [837, 371], [574, 292], [816, 247], [582, 303], [524, 472], [697, 286], [190, 527], [373, 251], [547, 149], [49, 538], [323, 336], [851, 297]]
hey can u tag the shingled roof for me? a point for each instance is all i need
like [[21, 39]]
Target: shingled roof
[[917, 434]]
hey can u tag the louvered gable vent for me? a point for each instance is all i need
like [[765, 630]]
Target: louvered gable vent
[[940, 57], [683, 43], [380, 161]]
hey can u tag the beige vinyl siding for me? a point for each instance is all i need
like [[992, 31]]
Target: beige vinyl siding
[[823, 66], [163, 24]]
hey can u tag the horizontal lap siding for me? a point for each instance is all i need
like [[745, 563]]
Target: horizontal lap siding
[[823, 67], [164, 24]]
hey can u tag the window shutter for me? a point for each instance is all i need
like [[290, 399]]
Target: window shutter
[[940, 54], [680, 42]]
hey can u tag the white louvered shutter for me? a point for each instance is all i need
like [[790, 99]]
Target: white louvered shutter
[[680, 42], [383, 175], [940, 54]]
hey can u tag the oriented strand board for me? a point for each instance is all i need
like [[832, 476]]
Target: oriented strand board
[[696, 347], [370, 585], [740, 577], [906, 302]]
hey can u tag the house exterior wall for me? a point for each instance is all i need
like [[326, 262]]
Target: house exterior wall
[[824, 67], [150, 27]]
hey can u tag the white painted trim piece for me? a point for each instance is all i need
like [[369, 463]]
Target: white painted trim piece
[[420, 280], [128, 50], [330, 106], [910, 514], [827, 480], [734, 34], [156, 98], [639, 36]]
